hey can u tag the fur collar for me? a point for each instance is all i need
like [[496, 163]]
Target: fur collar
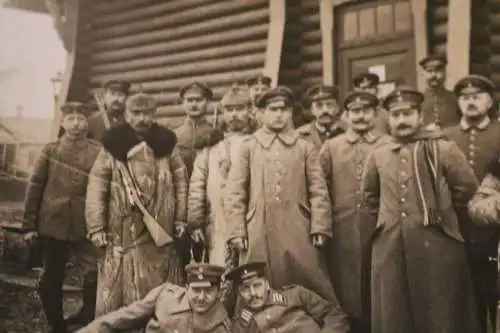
[[120, 139]]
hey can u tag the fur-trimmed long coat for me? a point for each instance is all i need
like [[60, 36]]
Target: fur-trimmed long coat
[[131, 264]]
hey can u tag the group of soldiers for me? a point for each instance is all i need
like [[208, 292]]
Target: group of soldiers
[[370, 218]]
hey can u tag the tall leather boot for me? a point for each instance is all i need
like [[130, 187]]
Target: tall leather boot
[[52, 303], [89, 295]]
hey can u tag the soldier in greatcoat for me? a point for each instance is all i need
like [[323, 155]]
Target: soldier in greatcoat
[[369, 82], [343, 159], [276, 200], [420, 277], [54, 211], [115, 93], [326, 110], [172, 308], [440, 105], [206, 219], [132, 264], [290, 309], [478, 136]]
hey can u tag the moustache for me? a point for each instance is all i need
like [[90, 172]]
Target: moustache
[[326, 114], [359, 121], [471, 107], [402, 127]]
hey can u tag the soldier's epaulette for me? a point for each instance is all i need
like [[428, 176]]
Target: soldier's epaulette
[[278, 298], [246, 317]]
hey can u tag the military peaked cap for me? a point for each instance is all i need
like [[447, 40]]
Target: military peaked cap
[[473, 84], [366, 80], [321, 92], [76, 107], [200, 87], [247, 271], [141, 101], [403, 98], [204, 275], [433, 61], [280, 93], [259, 79], [118, 85], [359, 100], [236, 96]]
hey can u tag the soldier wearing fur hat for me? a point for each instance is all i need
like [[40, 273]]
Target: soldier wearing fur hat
[[368, 82], [211, 167], [54, 211], [138, 157], [412, 187], [286, 193], [440, 105], [172, 308], [478, 136], [343, 159], [289, 309], [326, 111], [115, 93]]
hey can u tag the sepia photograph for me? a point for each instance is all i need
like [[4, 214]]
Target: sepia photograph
[[250, 166]]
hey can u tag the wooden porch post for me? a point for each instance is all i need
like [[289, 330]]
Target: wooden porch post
[[458, 43], [419, 11], [275, 35]]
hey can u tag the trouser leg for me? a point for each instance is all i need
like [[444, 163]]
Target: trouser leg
[[55, 256]]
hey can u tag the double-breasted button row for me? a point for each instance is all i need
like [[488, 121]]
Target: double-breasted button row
[[471, 155]]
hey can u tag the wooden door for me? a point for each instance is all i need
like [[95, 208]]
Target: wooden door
[[393, 61]]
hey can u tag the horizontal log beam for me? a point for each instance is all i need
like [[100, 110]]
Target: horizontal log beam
[[233, 50], [193, 43]]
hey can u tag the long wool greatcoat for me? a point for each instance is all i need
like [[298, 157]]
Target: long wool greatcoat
[[164, 309], [206, 194], [420, 276], [276, 196], [343, 159], [132, 264]]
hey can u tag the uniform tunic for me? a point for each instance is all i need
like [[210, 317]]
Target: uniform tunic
[[481, 145], [206, 194], [97, 127], [343, 159], [293, 309], [132, 264], [275, 188], [188, 135], [440, 107], [163, 309], [420, 276]]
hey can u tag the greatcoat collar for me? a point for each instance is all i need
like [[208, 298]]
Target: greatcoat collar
[[353, 137], [465, 126], [266, 137]]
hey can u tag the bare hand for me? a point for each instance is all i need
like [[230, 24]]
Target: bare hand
[[180, 229], [197, 236], [99, 239], [30, 237], [318, 240], [240, 243]]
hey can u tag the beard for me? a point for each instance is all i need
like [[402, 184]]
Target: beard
[[116, 108], [237, 125]]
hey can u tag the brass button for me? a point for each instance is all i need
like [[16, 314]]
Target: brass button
[[403, 214], [403, 200]]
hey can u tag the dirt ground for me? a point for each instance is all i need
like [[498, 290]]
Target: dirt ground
[[21, 311]]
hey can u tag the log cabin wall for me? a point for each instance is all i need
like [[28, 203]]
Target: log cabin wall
[[494, 51], [437, 23], [161, 45], [479, 54]]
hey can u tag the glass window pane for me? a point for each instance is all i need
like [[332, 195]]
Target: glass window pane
[[367, 22], [385, 20], [402, 16], [350, 26]]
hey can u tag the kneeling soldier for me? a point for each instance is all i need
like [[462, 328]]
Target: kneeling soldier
[[55, 211], [171, 308], [289, 310]]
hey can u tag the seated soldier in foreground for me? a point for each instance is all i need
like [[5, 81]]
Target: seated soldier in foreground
[[171, 308], [292, 309]]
